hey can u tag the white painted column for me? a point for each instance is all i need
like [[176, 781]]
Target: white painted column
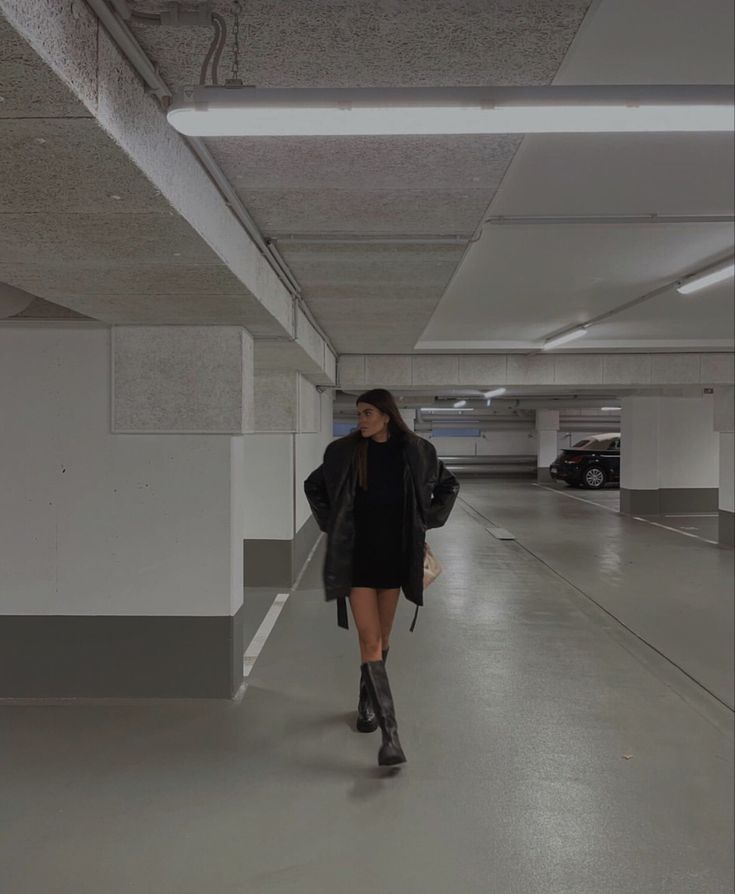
[[125, 544], [293, 423], [547, 442], [669, 455], [725, 427]]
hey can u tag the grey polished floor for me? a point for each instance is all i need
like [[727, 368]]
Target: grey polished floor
[[703, 525], [551, 749]]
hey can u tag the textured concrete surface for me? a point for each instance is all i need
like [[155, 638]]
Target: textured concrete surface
[[354, 290], [182, 379], [338, 43], [393, 186], [550, 752], [97, 153], [276, 401], [621, 370]]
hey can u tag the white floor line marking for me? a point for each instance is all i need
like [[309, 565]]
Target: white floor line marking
[[617, 512], [562, 493], [308, 561], [676, 530], [262, 633], [692, 515]]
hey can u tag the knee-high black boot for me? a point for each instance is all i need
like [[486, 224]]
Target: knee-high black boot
[[367, 722], [381, 697]]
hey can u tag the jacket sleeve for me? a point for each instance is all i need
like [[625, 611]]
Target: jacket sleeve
[[315, 488], [445, 493]]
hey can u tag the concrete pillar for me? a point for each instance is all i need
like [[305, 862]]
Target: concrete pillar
[[293, 425], [547, 442], [409, 417], [122, 511], [725, 428], [669, 456]]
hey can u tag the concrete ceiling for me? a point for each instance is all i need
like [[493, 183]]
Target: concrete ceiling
[[82, 226], [520, 284], [377, 298], [374, 228]]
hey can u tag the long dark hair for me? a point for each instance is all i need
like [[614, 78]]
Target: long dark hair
[[383, 401]]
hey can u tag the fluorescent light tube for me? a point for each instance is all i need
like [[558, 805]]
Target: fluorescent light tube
[[256, 112], [564, 338], [695, 283], [496, 392], [440, 410], [460, 403], [610, 409]]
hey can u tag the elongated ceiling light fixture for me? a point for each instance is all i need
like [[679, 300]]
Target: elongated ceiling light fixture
[[564, 338], [496, 392], [702, 281], [239, 111]]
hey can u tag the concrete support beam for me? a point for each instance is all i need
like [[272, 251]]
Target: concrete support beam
[[547, 442], [182, 379], [278, 529], [285, 402], [409, 417], [192, 259], [431, 371]]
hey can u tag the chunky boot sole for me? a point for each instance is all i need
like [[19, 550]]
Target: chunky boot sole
[[391, 756], [366, 726]]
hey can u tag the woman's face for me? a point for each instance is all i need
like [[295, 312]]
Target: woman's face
[[371, 421]]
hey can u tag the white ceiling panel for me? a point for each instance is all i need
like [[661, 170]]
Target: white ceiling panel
[[705, 317], [620, 174], [520, 284], [653, 42]]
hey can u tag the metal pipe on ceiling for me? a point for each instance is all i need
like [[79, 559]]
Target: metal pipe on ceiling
[[606, 219], [128, 43], [355, 239]]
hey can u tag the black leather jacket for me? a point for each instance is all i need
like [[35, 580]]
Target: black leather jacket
[[430, 491]]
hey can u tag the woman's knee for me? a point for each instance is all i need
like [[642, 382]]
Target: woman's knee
[[371, 642]]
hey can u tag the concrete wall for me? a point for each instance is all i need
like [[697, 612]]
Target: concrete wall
[[501, 443], [96, 523], [278, 529], [121, 568]]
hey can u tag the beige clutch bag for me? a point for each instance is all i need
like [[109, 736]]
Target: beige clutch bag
[[432, 567]]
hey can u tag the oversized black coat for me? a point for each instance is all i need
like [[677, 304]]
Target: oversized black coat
[[429, 492]]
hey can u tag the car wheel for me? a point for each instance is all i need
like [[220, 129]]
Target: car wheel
[[594, 478]]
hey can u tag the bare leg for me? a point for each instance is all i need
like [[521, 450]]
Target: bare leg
[[387, 604], [364, 604]]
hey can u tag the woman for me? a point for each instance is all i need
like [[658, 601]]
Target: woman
[[376, 493]]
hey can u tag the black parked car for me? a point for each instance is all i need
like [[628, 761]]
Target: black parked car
[[590, 463]]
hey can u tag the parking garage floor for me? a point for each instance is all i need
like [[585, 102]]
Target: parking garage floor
[[565, 704], [700, 525]]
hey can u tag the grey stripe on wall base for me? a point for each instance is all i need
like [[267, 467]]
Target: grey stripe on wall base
[[277, 563], [668, 499], [727, 528], [120, 657]]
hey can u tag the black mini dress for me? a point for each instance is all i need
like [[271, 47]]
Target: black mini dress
[[378, 555]]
